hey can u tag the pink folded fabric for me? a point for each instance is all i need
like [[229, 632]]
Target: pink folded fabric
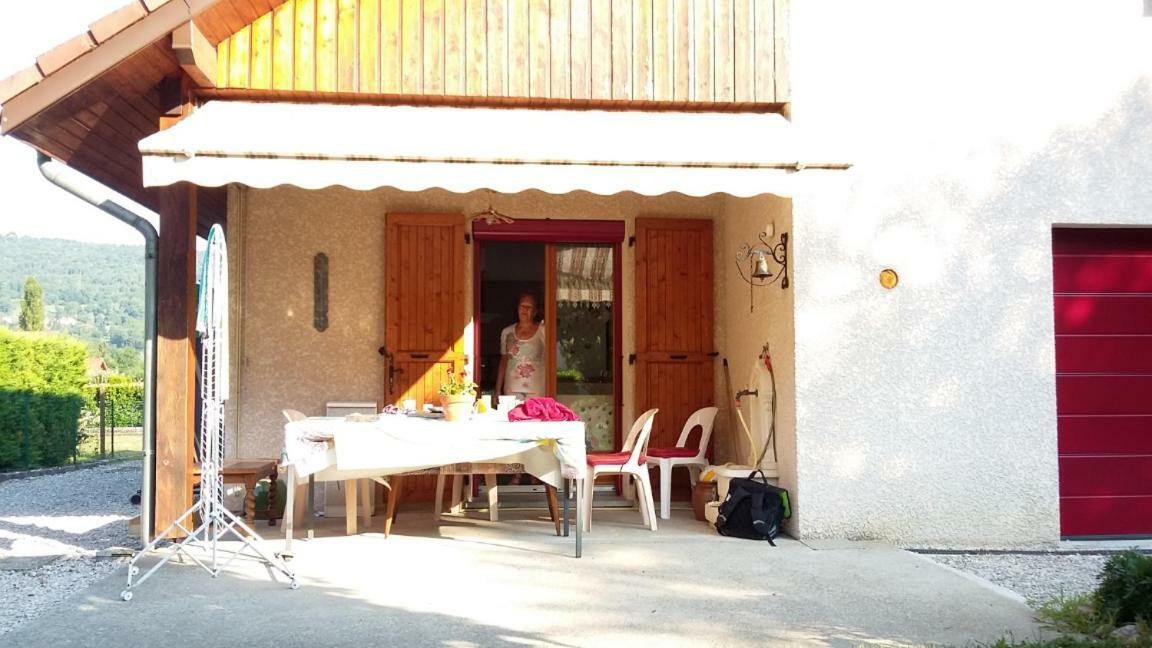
[[541, 409]]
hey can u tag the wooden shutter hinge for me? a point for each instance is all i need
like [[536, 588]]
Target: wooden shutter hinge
[[631, 358], [632, 241], [467, 238]]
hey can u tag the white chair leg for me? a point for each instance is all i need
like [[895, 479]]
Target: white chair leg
[[301, 503], [589, 487], [644, 512], [628, 490], [694, 474], [646, 486], [468, 489], [493, 498], [289, 521], [438, 502], [665, 488]]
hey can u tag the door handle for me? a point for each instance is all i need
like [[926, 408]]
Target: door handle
[[392, 371], [420, 356], [678, 356]]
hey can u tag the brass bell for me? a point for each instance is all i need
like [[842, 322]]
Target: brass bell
[[760, 267]]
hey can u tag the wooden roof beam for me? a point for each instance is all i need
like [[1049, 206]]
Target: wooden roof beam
[[75, 74], [196, 54]]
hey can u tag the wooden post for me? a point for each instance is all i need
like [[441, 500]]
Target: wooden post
[[100, 399], [175, 352]]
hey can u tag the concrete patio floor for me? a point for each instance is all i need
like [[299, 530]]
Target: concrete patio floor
[[468, 582]]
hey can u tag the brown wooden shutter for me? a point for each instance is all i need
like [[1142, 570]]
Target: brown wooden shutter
[[673, 322], [424, 314]]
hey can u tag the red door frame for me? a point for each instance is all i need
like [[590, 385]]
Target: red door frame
[[560, 231]]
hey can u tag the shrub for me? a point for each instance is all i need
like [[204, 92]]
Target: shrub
[[1125, 592], [569, 375], [41, 377], [123, 403]]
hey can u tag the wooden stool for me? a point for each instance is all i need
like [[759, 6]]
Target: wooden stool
[[248, 472]]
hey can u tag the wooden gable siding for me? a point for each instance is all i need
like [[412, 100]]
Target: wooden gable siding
[[679, 51], [95, 129]]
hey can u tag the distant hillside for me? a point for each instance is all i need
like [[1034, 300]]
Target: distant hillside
[[92, 291]]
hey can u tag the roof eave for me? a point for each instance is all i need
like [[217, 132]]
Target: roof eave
[[31, 92]]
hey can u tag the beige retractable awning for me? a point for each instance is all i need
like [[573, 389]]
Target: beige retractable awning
[[465, 149], [584, 274]]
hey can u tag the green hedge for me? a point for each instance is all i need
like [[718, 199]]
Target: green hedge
[[123, 404], [41, 381]]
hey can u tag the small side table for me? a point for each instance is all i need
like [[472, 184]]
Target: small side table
[[248, 472]]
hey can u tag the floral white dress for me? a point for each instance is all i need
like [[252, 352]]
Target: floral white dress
[[524, 374]]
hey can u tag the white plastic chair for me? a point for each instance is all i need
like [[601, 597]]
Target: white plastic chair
[[681, 455], [291, 416], [294, 415], [630, 461], [365, 491]]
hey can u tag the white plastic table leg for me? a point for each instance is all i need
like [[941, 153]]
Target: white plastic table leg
[[350, 507], [290, 509]]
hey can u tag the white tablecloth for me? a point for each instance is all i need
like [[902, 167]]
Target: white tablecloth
[[336, 448]]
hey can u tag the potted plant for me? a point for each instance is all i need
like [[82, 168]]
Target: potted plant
[[457, 395]]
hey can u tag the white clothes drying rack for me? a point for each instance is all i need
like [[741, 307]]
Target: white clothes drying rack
[[216, 521]]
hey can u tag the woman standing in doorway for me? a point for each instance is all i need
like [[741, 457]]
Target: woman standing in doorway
[[521, 371]]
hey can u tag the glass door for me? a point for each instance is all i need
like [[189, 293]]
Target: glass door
[[583, 327]]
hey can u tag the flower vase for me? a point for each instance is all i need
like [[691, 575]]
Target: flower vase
[[457, 408]]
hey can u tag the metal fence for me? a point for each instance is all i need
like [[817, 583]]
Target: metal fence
[[111, 425]]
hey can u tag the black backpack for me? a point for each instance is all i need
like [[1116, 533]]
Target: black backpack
[[753, 509]]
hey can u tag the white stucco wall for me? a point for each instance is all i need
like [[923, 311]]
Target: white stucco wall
[[746, 331], [926, 414]]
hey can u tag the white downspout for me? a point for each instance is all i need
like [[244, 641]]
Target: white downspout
[[105, 199]]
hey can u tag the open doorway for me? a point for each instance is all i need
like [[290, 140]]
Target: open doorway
[[512, 278], [508, 270]]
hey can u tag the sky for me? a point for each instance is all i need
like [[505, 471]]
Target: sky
[[29, 204]]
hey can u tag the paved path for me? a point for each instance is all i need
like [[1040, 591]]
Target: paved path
[[474, 583]]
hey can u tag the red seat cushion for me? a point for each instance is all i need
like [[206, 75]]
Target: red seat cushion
[[611, 458], [678, 453]]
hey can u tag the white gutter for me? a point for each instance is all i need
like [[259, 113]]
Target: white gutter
[[105, 199]]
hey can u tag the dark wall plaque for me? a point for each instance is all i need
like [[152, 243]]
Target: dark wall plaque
[[320, 292]]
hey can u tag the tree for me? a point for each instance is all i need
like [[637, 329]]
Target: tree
[[32, 306], [128, 362]]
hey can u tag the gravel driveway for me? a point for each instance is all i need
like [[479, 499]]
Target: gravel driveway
[[1037, 577], [51, 530]]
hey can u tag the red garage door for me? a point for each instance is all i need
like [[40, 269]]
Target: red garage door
[[1103, 295]]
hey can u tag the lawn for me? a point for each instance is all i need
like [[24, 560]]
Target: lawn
[[127, 443]]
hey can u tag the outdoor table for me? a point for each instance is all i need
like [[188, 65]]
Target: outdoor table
[[338, 449]]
